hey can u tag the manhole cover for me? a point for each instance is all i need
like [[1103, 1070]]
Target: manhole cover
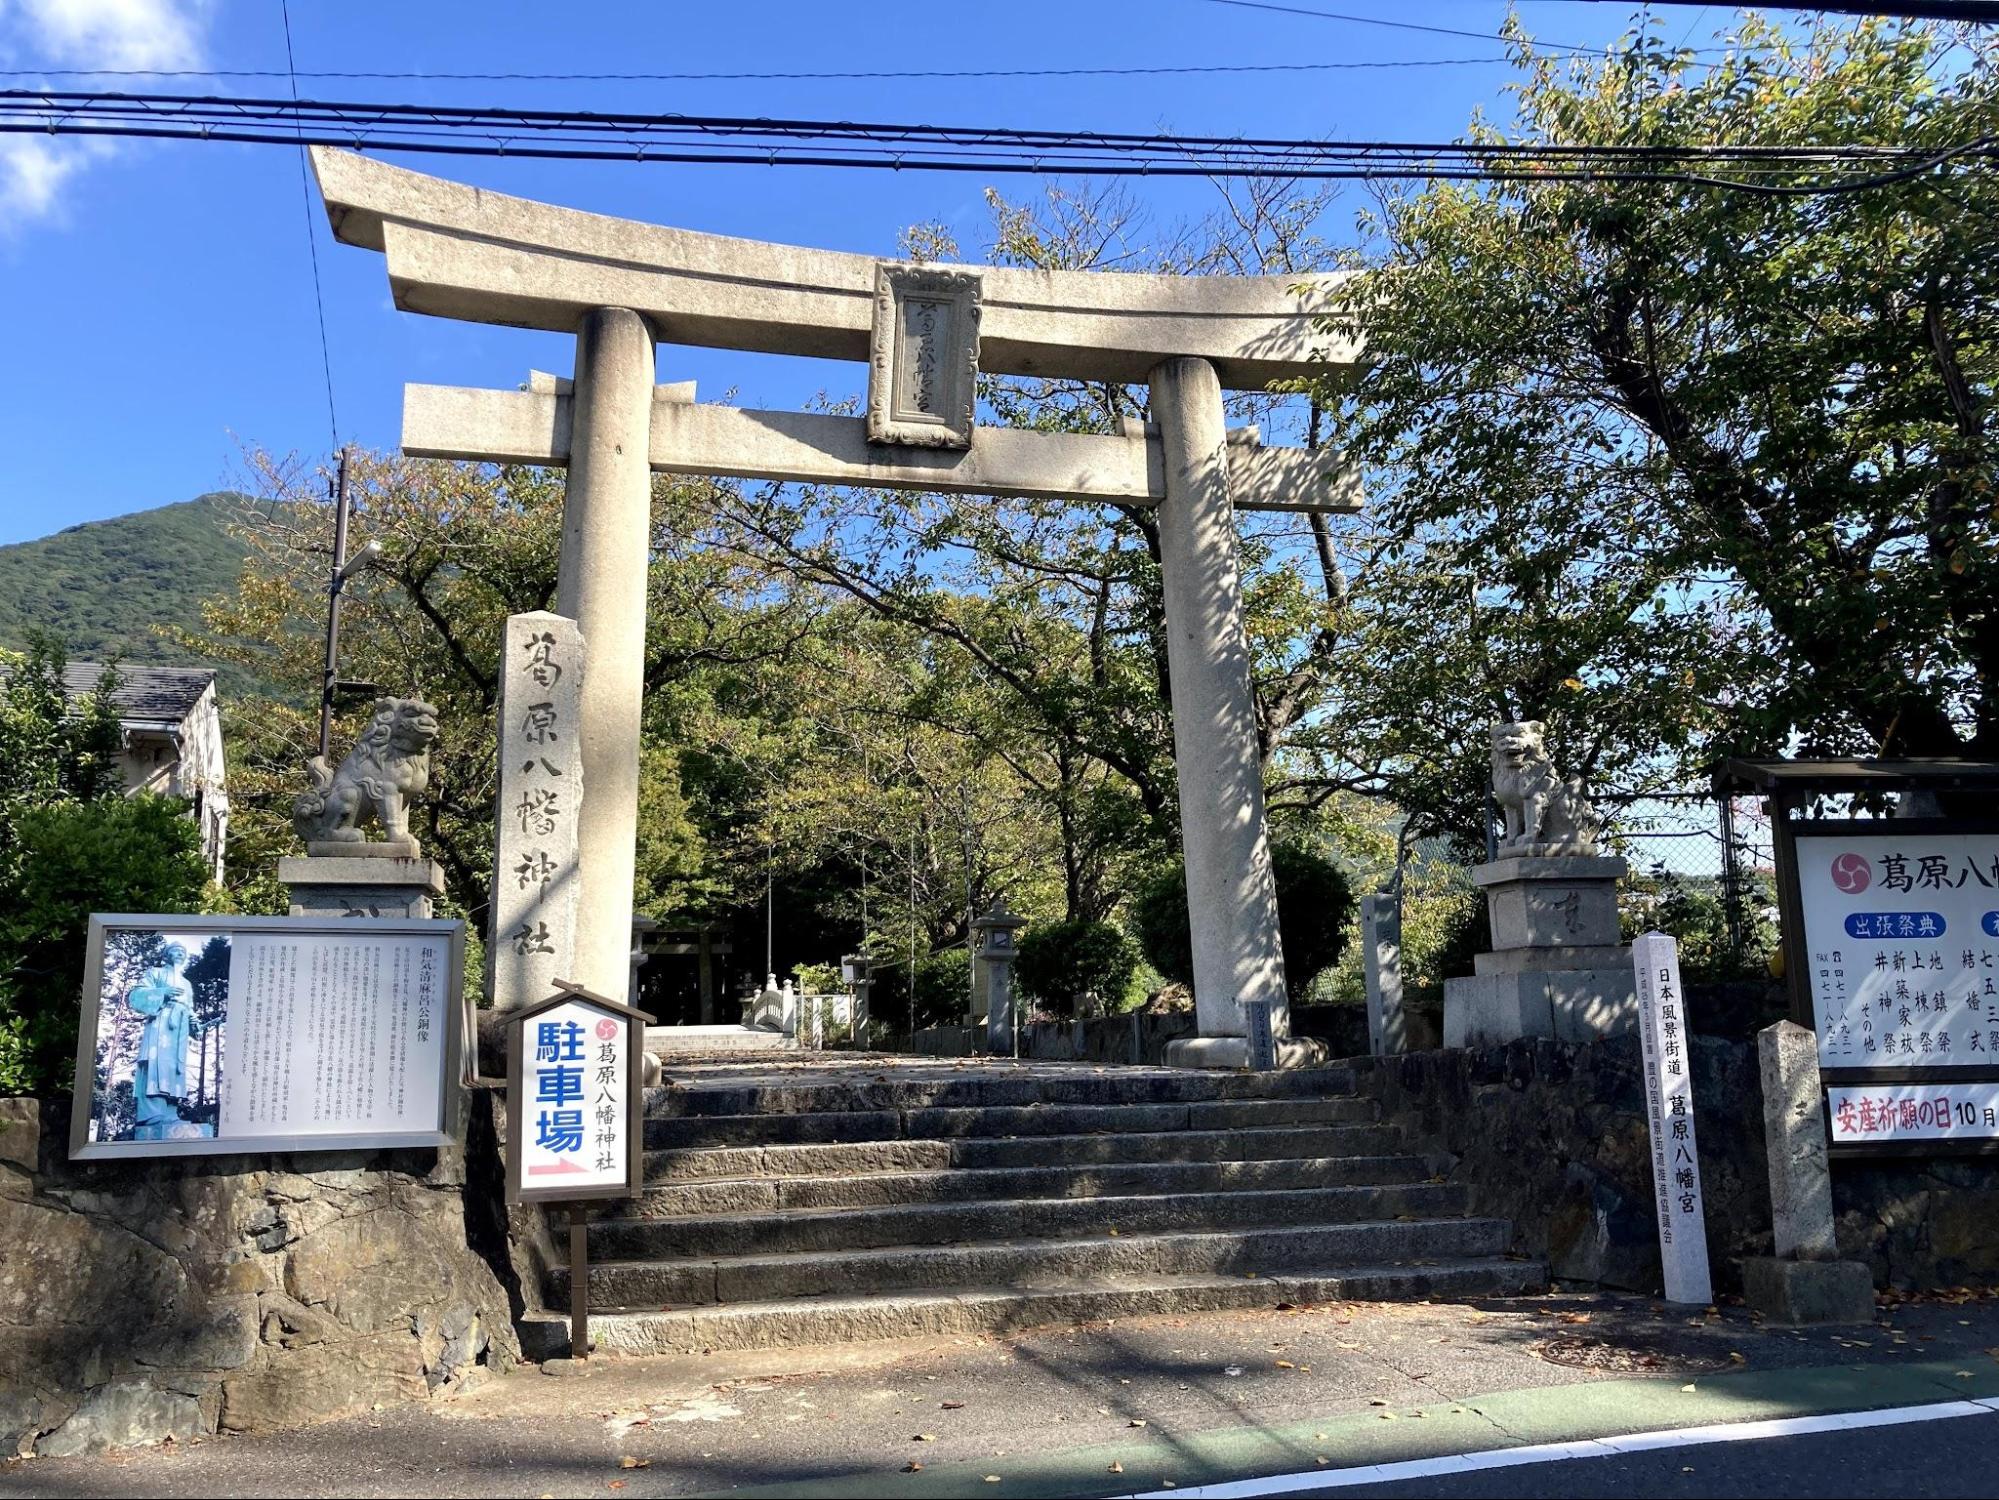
[[1638, 1357]]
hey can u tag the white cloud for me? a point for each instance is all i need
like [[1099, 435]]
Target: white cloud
[[34, 169]]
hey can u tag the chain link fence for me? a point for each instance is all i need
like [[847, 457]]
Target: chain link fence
[[1703, 869]]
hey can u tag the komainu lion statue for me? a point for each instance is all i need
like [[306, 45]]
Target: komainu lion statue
[[1545, 812], [387, 770]]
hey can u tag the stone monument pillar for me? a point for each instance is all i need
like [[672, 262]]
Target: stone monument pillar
[[1381, 955], [1805, 1281], [537, 874], [606, 529], [344, 873], [1556, 967], [995, 950], [1231, 895]]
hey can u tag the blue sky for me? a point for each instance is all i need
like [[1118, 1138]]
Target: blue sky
[[158, 300]]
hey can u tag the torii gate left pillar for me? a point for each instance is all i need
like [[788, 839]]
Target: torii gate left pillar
[[606, 535]]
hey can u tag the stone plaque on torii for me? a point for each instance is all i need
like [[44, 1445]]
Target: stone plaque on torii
[[622, 286]]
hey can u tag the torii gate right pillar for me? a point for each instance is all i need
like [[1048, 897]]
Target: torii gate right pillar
[[1231, 895]]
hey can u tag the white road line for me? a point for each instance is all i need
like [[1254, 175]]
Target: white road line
[[1606, 1447]]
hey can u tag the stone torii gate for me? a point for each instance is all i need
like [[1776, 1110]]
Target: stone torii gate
[[925, 332]]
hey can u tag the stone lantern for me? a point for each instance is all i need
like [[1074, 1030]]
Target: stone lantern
[[994, 933]]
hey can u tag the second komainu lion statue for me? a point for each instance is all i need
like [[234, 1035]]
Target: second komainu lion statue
[[1546, 812], [387, 770]]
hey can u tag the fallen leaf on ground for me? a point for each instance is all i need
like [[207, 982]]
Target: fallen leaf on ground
[[1574, 1317], [1138, 1421], [628, 1462], [1116, 1467], [951, 1405], [992, 1479], [1285, 1364], [912, 1467]]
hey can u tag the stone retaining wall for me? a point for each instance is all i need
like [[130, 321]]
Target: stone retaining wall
[[1553, 1136], [167, 1298]]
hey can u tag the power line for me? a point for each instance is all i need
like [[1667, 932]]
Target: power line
[[598, 136], [1977, 12], [761, 77], [1333, 15], [312, 244]]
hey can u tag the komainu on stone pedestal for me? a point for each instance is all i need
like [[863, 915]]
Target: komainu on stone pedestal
[[1546, 813], [387, 770]]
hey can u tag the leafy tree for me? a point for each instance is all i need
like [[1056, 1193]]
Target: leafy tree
[[1076, 968], [1314, 910], [115, 854], [1682, 470]]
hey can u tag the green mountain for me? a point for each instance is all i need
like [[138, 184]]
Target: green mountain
[[102, 587]]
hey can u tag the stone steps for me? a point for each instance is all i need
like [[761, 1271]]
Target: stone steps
[[1270, 1142], [767, 1193], [866, 1199], [806, 1231], [1031, 1264], [796, 1322], [884, 1091], [998, 1120]]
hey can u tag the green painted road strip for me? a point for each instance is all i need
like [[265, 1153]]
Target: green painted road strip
[[1157, 1457]]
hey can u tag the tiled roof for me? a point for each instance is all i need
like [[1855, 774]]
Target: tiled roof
[[152, 694]]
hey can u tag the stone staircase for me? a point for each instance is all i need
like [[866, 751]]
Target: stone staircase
[[873, 1199]]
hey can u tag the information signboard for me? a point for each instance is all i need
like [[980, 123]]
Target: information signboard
[[202, 1035], [1901, 945], [575, 1091]]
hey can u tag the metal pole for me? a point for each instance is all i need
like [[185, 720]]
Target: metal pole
[[579, 1285], [333, 587], [1731, 895]]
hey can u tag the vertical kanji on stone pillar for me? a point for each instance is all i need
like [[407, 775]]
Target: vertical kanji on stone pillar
[[531, 923]]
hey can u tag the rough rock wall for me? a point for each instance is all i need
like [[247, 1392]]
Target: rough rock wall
[[148, 1299], [1553, 1136]]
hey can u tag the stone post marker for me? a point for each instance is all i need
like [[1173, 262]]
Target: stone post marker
[[537, 876], [1231, 895], [601, 585], [1381, 953], [995, 932], [1805, 1282]]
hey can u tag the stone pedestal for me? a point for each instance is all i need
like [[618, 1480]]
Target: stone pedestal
[[362, 884], [1800, 1292], [1556, 968]]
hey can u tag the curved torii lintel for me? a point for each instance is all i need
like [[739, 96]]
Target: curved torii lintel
[[462, 252]]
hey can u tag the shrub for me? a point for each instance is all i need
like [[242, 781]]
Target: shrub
[[1314, 905], [75, 858], [1075, 967], [943, 990]]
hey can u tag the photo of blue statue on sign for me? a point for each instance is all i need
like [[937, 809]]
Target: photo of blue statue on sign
[[160, 1032]]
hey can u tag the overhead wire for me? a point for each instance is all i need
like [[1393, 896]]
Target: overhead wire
[[1789, 170], [312, 246]]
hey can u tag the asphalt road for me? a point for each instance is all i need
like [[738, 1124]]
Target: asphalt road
[[1137, 1406], [1954, 1458]]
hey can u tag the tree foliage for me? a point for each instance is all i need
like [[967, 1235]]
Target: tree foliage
[[1315, 907], [1682, 471]]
